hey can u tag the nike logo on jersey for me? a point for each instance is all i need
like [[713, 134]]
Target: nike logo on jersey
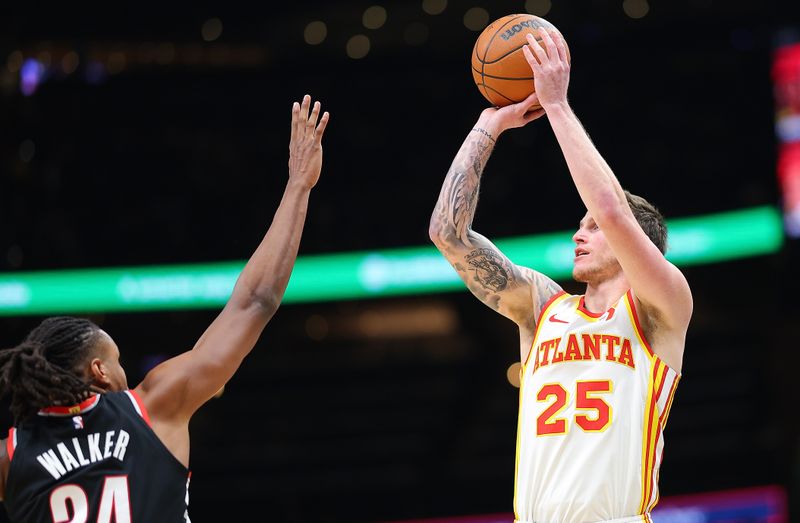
[[556, 320]]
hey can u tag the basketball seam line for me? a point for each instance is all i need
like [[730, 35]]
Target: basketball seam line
[[489, 43], [486, 50], [498, 92], [501, 77]]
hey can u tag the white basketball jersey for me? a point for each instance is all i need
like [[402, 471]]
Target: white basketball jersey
[[594, 401]]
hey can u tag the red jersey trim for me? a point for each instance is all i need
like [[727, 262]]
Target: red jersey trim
[[582, 308], [668, 404], [11, 443], [138, 404], [651, 436], [72, 410], [637, 325], [542, 312]]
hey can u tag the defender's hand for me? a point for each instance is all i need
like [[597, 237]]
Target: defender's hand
[[305, 146]]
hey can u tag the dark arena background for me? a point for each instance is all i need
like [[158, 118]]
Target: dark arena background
[[156, 137]]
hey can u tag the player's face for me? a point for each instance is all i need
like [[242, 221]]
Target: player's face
[[594, 260], [108, 353]]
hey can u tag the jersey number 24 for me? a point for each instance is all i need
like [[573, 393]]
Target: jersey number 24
[[114, 502]]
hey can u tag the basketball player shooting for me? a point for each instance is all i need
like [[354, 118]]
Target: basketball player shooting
[[86, 448], [599, 370]]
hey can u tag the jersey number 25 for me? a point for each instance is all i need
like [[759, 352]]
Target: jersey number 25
[[595, 418]]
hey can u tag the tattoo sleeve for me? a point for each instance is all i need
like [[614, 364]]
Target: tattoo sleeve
[[459, 197], [490, 270], [516, 292]]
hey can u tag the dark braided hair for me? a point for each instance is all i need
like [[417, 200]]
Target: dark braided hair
[[45, 369]]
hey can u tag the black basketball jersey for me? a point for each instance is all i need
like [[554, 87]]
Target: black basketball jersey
[[95, 462]]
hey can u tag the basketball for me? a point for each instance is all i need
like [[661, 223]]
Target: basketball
[[499, 67]]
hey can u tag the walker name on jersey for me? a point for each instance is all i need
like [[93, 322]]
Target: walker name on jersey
[[584, 347], [85, 451]]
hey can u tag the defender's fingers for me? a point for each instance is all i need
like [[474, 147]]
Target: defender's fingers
[[312, 120], [304, 108], [323, 123], [295, 117]]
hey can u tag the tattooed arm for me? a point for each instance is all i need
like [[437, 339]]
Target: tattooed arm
[[515, 292]]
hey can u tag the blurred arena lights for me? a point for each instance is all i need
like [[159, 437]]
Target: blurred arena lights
[[45, 58], [374, 17], [315, 32], [165, 53], [636, 8], [538, 7], [116, 62], [211, 29], [514, 373], [476, 18], [317, 327], [29, 68], [31, 74], [358, 46], [434, 7], [70, 62], [14, 61], [392, 321], [786, 80], [746, 505], [361, 274]]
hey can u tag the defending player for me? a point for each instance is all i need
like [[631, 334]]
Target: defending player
[[599, 370], [84, 447]]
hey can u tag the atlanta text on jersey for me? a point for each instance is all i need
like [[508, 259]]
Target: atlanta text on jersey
[[586, 347]]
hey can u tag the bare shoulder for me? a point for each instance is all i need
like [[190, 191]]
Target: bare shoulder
[[163, 388], [665, 329]]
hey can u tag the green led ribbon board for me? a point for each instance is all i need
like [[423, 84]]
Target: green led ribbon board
[[367, 274]]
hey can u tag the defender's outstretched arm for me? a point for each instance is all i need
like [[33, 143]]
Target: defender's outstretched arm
[[174, 390]]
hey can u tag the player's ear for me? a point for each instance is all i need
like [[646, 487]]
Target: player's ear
[[98, 373]]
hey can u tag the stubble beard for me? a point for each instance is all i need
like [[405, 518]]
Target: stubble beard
[[596, 273]]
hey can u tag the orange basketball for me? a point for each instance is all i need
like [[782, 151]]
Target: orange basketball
[[499, 68]]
